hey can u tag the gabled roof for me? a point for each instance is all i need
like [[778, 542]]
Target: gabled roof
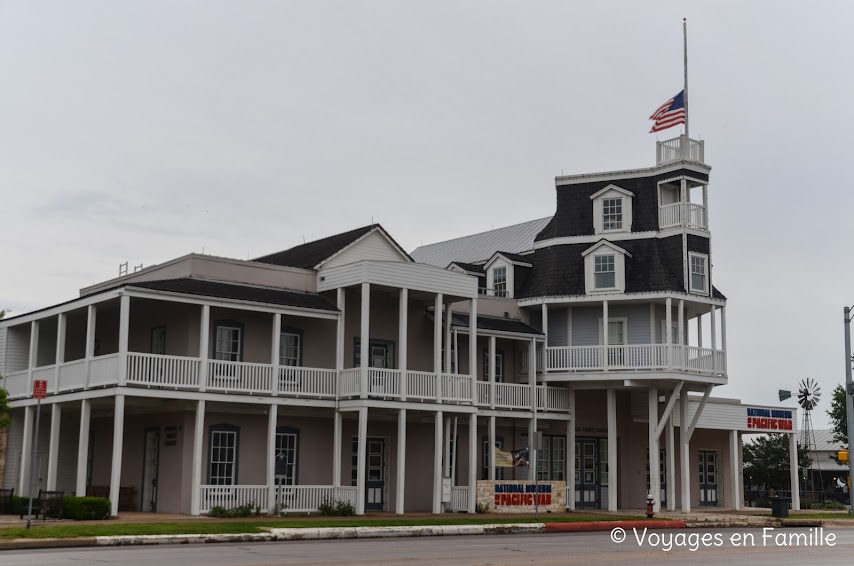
[[612, 188], [524, 260], [476, 269], [268, 295], [605, 243], [312, 255]]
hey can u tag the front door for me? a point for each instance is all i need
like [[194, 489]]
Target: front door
[[150, 469], [586, 476], [708, 466], [376, 471], [662, 477]]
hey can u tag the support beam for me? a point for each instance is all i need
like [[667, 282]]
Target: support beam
[[472, 502], [793, 467], [570, 458], [53, 446], [735, 475], [668, 409], [204, 345], [364, 343], [336, 449], [196, 480], [83, 447], [361, 457], [272, 421], [124, 330], [401, 462], [699, 411], [26, 451], [671, 463], [437, 463], [654, 466], [118, 443], [612, 450], [491, 472], [402, 346], [684, 453]]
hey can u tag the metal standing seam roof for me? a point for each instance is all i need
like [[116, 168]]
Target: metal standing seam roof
[[478, 247]]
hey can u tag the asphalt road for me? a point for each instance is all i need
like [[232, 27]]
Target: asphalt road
[[720, 546]]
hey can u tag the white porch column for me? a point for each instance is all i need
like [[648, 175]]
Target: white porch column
[[446, 339], [402, 346], [53, 446], [723, 337], [364, 353], [545, 309], [714, 328], [437, 345], [124, 328], [401, 462], [437, 463], [793, 467], [612, 450], [472, 463], [604, 360], [339, 334], [336, 449], [671, 463], [34, 354], [654, 469], [26, 451], [570, 454], [204, 347], [118, 441], [532, 426], [684, 451], [491, 363], [700, 331], [276, 351], [198, 437], [60, 348], [706, 206], [83, 447], [272, 421], [682, 340], [668, 332], [361, 458], [491, 445], [473, 349], [91, 321], [737, 478]]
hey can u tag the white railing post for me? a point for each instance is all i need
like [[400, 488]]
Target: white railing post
[[364, 343], [276, 353], [204, 347], [402, 323], [124, 328]]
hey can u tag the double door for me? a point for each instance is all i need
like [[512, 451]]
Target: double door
[[376, 472], [708, 476], [587, 472]]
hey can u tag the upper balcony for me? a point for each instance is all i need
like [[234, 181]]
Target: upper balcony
[[681, 148]]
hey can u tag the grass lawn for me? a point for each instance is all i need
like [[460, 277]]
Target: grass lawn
[[842, 516], [71, 530]]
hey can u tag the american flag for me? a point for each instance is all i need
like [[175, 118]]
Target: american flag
[[670, 114]]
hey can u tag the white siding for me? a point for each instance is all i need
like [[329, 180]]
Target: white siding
[[374, 246], [415, 276], [17, 348], [585, 323]]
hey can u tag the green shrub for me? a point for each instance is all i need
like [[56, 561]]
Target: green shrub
[[336, 508], [481, 508], [245, 510], [85, 508]]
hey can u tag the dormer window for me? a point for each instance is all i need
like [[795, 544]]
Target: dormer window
[[699, 274], [604, 272], [612, 210], [499, 281], [605, 268]]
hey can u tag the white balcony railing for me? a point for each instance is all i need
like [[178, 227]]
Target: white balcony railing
[[239, 377], [383, 382], [636, 357], [681, 148], [512, 396], [456, 387], [163, 371], [72, 375], [420, 385], [303, 498], [17, 384], [682, 214], [289, 498], [307, 382], [231, 496], [104, 370], [349, 382], [459, 498]]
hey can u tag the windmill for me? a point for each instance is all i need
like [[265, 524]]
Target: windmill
[[809, 394]]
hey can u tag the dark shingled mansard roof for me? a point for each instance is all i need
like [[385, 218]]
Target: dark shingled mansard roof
[[206, 288]]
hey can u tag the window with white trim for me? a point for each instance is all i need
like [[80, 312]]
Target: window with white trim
[[227, 347], [699, 273], [222, 456], [604, 272], [551, 460], [499, 281], [290, 345], [612, 214], [286, 455]]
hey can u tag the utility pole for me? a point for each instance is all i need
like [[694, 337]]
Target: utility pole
[[849, 401]]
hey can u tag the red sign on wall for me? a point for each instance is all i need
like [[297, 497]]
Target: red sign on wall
[[40, 389]]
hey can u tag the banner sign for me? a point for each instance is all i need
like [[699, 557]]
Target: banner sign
[[510, 458], [769, 419]]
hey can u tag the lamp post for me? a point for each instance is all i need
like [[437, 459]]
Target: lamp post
[[849, 401]]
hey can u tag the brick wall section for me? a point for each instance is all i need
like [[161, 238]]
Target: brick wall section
[[486, 496]]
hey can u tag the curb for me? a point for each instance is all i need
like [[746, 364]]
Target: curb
[[609, 525]]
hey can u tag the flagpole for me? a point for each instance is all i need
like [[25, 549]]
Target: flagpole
[[685, 46]]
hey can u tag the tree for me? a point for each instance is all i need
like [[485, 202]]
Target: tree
[[5, 417], [766, 459], [838, 415]]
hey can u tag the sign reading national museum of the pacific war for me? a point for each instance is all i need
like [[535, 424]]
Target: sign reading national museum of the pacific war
[[509, 496], [769, 419]]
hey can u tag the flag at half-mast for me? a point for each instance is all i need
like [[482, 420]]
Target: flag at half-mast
[[671, 113]]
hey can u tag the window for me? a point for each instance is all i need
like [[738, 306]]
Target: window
[[612, 214], [499, 366], [158, 340], [604, 272], [699, 273], [380, 353], [286, 455], [499, 281], [290, 349], [228, 342], [222, 455], [551, 460]]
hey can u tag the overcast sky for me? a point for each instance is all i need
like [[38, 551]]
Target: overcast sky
[[142, 131]]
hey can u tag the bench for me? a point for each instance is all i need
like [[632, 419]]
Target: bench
[[47, 503], [127, 499], [6, 501]]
